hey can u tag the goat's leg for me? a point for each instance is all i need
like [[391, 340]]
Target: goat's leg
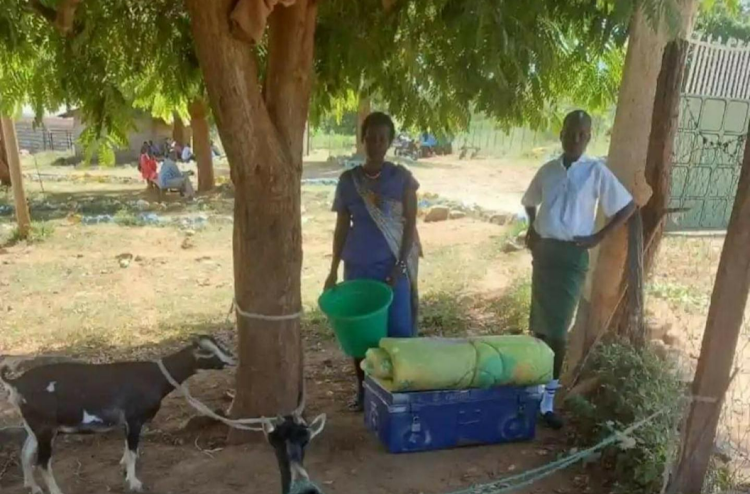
[[130, 456], [27, 462], [44, 459]]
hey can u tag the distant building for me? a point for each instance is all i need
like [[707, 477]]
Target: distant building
[[146, 128]]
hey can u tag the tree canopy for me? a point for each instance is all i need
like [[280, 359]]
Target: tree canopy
[[431, 62]]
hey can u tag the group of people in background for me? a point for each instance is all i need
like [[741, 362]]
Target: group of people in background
[[168, 176], [376, 236]]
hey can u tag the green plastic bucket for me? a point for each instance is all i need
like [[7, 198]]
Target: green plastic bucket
[[358, 312]]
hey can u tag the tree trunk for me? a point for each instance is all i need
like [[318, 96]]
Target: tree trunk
[[364, 109], [627, 160], [10, 142], [725, 314], [4, 169], [202, 145], [658, 171], [179, 131], [262, 132]]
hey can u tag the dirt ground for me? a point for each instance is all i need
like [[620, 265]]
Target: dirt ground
[[71, 294]]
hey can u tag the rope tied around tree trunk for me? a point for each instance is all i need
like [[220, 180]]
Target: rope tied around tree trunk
[[263, 317]]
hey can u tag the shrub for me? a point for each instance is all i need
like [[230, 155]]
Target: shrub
[[634, 384]]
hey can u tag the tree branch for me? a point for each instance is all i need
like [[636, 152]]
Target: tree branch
[[66, 12], [47, 13], [288, 76], [62, 18]]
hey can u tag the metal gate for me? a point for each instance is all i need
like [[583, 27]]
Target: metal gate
[[711, 135]]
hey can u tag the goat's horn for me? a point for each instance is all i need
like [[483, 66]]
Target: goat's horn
[[301, 402]]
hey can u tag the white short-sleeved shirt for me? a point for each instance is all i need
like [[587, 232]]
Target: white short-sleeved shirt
[[567, 199]]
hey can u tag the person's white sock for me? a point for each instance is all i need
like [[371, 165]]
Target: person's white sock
[[548, 398]]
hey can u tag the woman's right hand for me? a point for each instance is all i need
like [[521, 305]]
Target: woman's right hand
[[331, 281]]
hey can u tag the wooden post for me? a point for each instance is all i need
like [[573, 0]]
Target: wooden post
[[14, 163], [719, 344]]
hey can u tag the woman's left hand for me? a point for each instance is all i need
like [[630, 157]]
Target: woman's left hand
[[396, 274]]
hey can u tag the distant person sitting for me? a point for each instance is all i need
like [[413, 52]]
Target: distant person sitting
[[170, 177], [187, 153], [147, 167], [153, 148], [215, 149]]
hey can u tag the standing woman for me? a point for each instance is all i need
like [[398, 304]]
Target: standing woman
[[376, 234]]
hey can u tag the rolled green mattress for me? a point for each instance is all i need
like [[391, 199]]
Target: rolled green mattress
[[424, 364]]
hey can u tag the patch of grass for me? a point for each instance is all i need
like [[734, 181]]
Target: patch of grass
[[687, 297], [511, 310], [722, 478], [444, 313], [634, 385], [125, 217], [40, 231]]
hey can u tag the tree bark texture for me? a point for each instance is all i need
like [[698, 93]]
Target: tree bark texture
[[658, 171], [725, 314], [180, 133], [10, 141], [262, 130], [4, 169], [202, 145]]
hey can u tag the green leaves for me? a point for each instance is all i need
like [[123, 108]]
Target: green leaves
[[432, 63], [435, 62]]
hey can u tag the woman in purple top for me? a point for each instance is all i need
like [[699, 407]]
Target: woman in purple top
[[376, 234]]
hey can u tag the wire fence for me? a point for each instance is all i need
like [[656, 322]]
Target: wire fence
[[678, 295]]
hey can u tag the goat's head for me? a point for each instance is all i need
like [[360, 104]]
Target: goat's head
[[289, 437], [209, 354]]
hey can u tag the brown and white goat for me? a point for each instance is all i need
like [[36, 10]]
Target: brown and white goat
[[79, 398]]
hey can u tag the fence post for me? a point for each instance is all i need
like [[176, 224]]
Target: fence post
[[719, 345], [10, 141]]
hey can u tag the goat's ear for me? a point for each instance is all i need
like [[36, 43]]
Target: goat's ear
[[317, 425]]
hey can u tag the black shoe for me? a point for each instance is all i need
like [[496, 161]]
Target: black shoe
[[553, 421]]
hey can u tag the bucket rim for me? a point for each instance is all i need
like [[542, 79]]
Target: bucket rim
[[357, 282]]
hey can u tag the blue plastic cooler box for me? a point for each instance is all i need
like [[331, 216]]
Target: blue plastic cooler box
[[431, 420]]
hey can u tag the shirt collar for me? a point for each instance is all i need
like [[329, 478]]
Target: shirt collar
[[582, 159]]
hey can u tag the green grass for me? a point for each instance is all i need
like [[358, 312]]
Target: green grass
[[686, 297], [511, 310], [40, 231]]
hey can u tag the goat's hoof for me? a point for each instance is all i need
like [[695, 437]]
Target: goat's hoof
[[35, 489], [135, 486]]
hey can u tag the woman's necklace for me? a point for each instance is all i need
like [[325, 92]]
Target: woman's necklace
[[373, 176]]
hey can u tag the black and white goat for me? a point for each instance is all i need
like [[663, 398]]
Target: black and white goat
[[78, 398], [289, 437]]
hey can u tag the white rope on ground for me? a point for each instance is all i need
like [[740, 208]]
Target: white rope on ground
[[263, 317]]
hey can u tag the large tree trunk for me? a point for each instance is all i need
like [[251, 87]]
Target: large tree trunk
[[179, 131], [262, 132], [725, 315], [363, 110], [202, 145], [658, 171], [10, 141], [627, 160]]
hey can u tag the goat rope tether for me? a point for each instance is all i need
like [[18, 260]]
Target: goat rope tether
[[252, 424], [263, 317]]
